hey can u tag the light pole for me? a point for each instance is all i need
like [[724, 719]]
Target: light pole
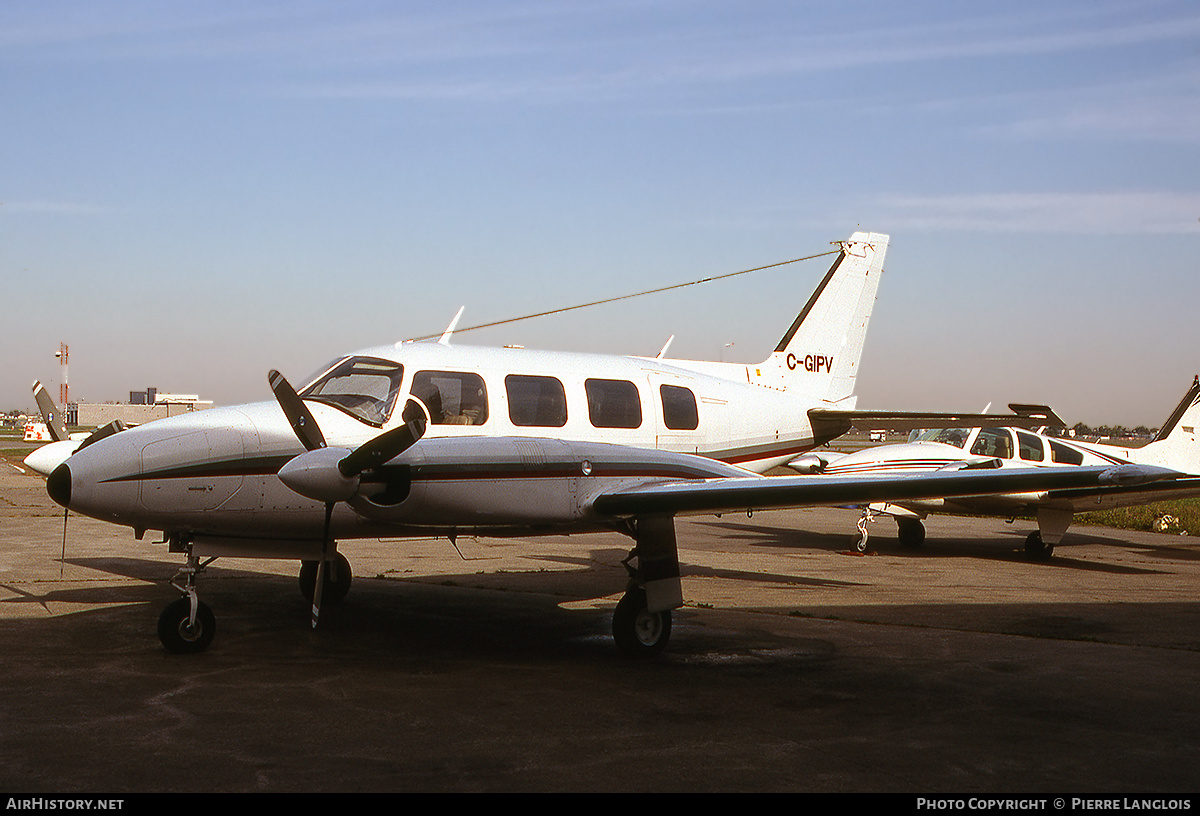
[[63, 394]]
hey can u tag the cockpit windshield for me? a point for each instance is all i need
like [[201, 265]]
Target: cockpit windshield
[[364, 387], [947, 436]]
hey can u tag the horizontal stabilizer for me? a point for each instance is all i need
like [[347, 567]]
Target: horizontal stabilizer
[[1042, 412]]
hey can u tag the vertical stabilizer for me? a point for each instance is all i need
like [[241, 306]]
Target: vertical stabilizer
[[53, 417], [820, 353], [1176, 446]]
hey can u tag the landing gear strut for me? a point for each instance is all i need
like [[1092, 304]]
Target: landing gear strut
[[187, 625]]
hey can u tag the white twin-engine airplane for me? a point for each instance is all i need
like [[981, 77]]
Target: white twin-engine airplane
[[431, 438], [1175, 447]]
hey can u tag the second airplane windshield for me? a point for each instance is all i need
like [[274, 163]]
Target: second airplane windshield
[[947, 436]]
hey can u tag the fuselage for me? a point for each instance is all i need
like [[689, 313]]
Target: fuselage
[[515, 438], [1004, 448]]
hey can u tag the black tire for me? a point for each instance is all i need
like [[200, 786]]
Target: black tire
[[911, 533], [638, 632], [177, 636], [1037, 549], [337, 580]]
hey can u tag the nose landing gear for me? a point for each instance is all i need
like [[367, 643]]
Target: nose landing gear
[[187, 625]]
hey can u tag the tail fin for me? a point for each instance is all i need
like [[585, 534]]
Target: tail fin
[[1176, 445], [820, 353], [50, 414]]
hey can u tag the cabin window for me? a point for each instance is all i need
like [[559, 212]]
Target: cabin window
[[1030, 447], [993, 442], [536, 401], [364, 387], [679, 408], [1064, 454], [452, 397], [613, 403]]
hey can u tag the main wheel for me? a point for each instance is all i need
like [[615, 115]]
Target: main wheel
[[337, 580], [180, 638], [911, 532], [637, 631], [1036, 548]]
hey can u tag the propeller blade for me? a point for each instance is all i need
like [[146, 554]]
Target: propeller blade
[[297, 413], [53, 418], [387, 445]]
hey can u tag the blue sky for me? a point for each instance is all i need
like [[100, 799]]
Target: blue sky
[[192, 194]]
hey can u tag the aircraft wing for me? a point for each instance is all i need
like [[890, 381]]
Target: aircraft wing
[[1084, 499], [830, 423], [765, 492]]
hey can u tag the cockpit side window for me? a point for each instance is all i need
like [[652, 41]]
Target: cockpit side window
[[993, 442], [363, 387], [452, 397]]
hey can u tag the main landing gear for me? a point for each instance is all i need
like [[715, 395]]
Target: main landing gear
[[337, 580], [911, 532], [641, 624], [637, 631], [1037, 549]]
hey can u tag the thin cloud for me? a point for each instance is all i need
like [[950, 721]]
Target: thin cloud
[[1131, 213], [526, 50], [51, 208]]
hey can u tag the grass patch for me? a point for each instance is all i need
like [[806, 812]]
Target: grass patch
[[16, 455], [1184, 517]]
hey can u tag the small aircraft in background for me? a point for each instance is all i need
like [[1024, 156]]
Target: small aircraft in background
[[948, 449], [431, 438]]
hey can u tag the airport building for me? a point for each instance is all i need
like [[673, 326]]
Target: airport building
[[143, 406]]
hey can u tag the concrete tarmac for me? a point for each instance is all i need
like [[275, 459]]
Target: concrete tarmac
[[795, 666]]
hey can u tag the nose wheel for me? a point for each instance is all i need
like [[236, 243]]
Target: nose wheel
[[859, 542], [187, 625], [183, 632]]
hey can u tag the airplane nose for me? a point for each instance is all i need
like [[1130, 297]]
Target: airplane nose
[[58, 484]]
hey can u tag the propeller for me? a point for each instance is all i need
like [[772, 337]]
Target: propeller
[[302, 422], [330, 474]]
